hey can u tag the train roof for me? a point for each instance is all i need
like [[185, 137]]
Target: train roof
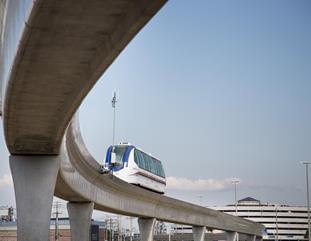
[[129, 144]]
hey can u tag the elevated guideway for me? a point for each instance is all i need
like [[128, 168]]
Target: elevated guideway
[[79, 173], [52, 53]]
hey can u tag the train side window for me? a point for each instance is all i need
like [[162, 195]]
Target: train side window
[[138, 158], [158, 168], [162, 171], [147, 162], [152, 165], [142, 161], [156, 165]]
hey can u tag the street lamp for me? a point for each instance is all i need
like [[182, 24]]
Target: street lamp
[[108, 167], [235, 182], [306, 163]]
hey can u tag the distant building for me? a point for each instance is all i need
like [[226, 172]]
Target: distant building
[[6, 214], [98, 231], [282, 222]]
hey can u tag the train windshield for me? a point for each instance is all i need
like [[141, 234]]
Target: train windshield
[[117, 154]]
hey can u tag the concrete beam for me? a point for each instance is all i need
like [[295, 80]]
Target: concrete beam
[[34, 179], [198, 233], [232, 236], [146, 227], [35, 118], [80, 215]]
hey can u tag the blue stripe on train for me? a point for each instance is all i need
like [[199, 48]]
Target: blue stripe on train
[[125, 157], [108, 155], [127, 153]]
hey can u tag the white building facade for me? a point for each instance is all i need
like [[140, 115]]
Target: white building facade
[[282, 222]]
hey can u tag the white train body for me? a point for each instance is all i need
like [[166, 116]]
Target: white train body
[[136, 167]]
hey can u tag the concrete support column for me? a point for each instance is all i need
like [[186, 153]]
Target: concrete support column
[[251, 237], [232, 236], [146, 227], [34, 179], [198, 233], [80, 214]]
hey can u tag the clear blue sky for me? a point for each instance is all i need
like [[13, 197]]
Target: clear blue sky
[[215, 89]]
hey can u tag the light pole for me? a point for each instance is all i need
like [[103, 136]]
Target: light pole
[[235, 182], [306, 163], [113, 103], [108, 167]]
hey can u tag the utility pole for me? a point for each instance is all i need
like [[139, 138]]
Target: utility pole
[[111, 238], [169, 233], [56, 221], [182, 232], [119, 228], [131, 232], [306, 163]]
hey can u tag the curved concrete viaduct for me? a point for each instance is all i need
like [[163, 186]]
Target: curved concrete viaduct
[[52, 53], [79, 173]]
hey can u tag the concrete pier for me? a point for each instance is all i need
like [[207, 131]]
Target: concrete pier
[[232, 236], [80, 215], [34, 179], [146, 227], [198, 233], [251, 238]]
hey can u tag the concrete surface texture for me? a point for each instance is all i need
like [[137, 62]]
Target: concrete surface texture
[[251, 237], [198, 233], [146, 228], [2, 17], [34, 180], [80, 215], [232, 236], [65, 46]]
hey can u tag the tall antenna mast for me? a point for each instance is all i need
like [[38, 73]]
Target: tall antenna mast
[[113, 102]]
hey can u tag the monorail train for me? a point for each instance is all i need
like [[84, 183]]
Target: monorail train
[[136, 167]]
